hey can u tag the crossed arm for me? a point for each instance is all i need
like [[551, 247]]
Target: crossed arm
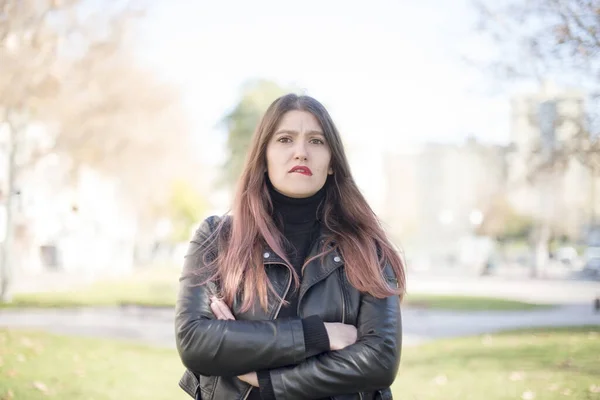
[[324, 375], [213, 347]]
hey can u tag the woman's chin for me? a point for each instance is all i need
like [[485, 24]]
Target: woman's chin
[[299, 193]]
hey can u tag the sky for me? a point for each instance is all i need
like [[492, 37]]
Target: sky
[[389, 72]]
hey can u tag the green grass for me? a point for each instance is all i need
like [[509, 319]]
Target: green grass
[[154, 288], [157, 287], [468, 303], [534, 364], [39, 366]]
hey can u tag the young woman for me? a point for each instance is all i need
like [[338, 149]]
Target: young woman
[[296, 294]]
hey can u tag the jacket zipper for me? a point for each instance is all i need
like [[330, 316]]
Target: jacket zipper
[[287, 289], [360, 395], [343, 310], [247, 392], [343, 296]]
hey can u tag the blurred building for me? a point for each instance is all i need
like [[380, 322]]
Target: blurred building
[[436, 198], [567, 195], [68, 222], [437, 194]]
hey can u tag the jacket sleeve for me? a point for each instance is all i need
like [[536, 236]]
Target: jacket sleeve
[[368, 365], [212, 347]]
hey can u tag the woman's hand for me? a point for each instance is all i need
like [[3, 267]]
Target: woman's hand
[[340, 335], [250, 377], [221, 311]]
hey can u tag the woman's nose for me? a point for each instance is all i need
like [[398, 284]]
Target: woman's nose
[[300, 151]]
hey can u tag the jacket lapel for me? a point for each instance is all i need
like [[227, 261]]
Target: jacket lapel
[[314, 272], [321, 267]]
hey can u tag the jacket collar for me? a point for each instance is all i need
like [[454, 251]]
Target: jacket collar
[[316, 270], [333, 258]]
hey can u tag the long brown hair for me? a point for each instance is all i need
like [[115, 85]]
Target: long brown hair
[[355, 229]]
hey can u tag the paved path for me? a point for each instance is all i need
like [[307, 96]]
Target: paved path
[[566, 290], [424, 325], [155, 326], [545, 291]]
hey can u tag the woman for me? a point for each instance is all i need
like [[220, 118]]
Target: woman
[[296, 295]]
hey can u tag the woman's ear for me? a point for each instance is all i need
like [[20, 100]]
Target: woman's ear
[[330, 172]]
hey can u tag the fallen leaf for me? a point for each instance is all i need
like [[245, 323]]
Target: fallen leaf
[[516, 376], [40, 386], [486, 340], [595, 388], [8, 395], [12, 373], [568, 363], [566, 392], [440, 380], [554, 387], [26, 342], [528, 395]]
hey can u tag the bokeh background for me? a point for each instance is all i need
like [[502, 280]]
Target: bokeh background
[[472, 128]]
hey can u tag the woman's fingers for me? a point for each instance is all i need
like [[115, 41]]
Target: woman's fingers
[[216, 310], [226, 311], [220, 309]]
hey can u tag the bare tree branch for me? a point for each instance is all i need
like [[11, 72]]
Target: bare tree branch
[[557, 39]]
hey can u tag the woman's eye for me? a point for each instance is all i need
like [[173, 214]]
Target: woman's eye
[[284, 139], [316, 141]]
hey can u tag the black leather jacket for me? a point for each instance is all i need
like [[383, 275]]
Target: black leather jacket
[[215, 352]]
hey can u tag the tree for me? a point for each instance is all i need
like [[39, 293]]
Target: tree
[[186, 208], [65, 67], [558, 41], [124, 124], [241, 123], [503, 223]]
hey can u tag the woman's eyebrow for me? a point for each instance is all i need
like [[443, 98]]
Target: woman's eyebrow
[[295, 133]]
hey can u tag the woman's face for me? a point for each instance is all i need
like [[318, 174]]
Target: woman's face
[[298, 157]]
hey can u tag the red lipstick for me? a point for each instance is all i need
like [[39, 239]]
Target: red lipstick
[[301, 169]]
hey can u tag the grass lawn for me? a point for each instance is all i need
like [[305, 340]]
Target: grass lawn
[[155, 287], [468, 303], [528, 364], [534, 364], [158, 287], [40, 366]]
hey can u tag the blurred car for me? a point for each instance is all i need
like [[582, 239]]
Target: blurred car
[[567, 255], [592, 260]]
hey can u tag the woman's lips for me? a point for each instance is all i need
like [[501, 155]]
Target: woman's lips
[[301, 170]]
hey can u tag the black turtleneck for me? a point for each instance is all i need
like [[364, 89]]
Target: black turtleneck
[[299, 222]]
